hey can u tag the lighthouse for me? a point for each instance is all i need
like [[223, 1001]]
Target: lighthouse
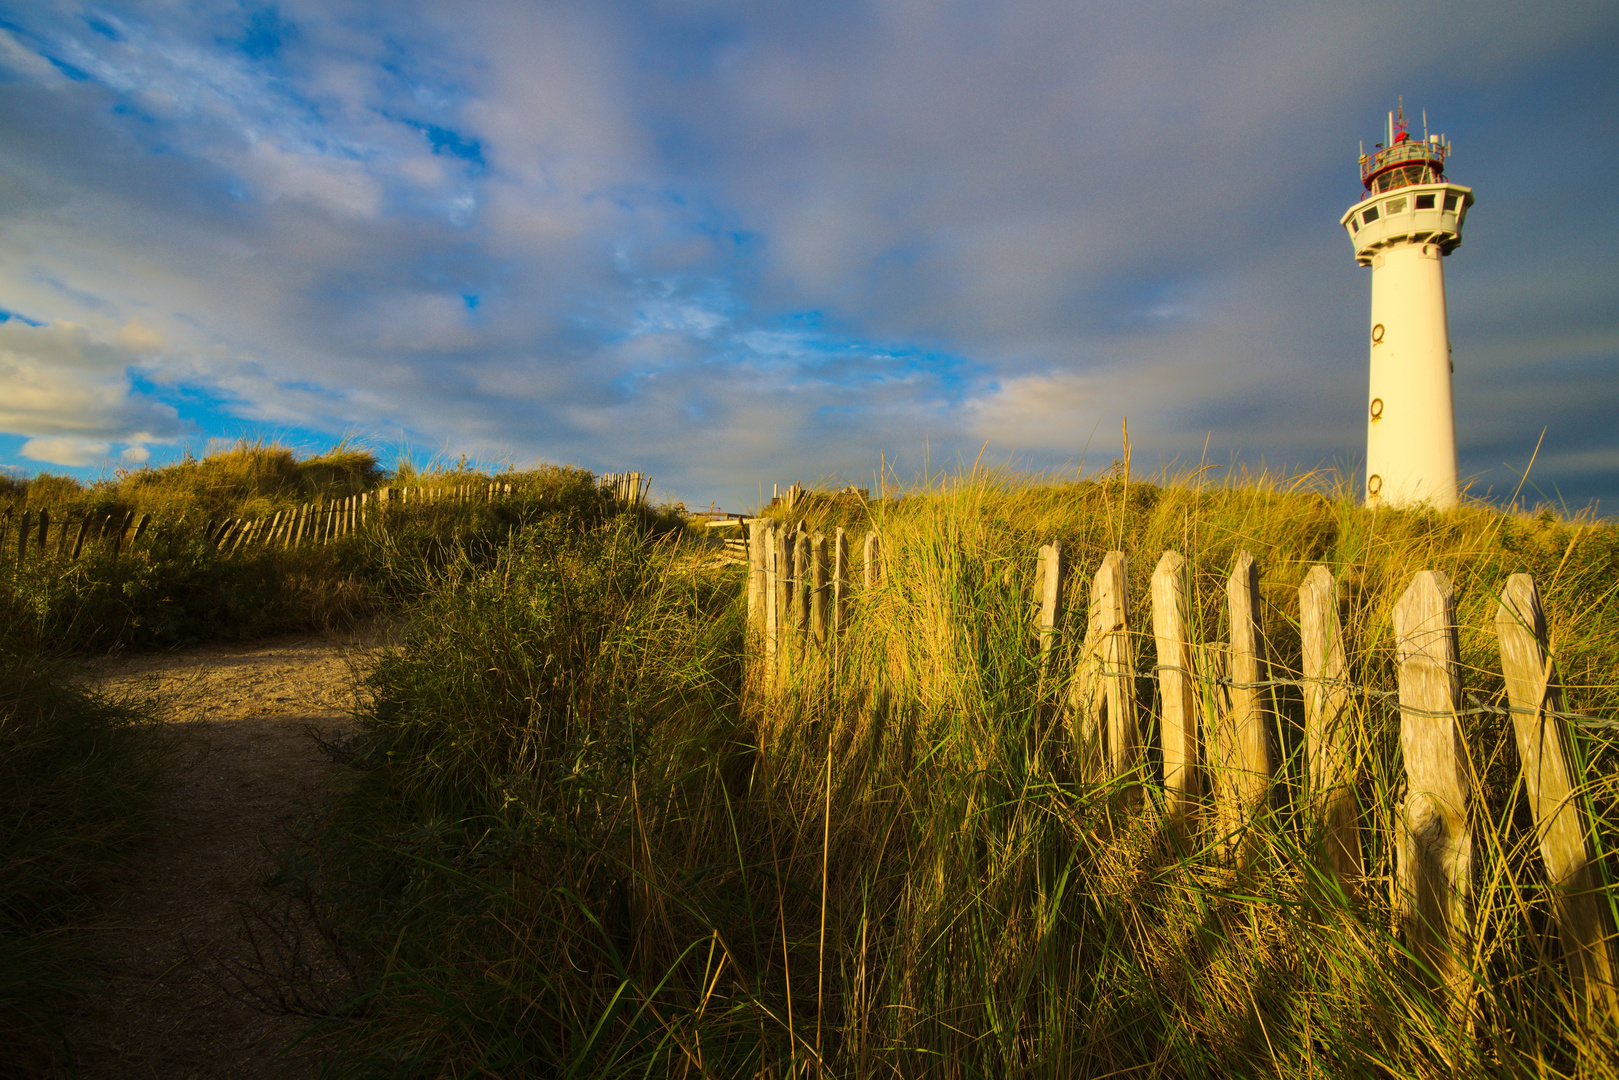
[[1409, 218]]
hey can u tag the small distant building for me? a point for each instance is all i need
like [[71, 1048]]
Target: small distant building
[[1409, 219]]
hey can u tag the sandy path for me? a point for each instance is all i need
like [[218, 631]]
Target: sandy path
[[239, 716]]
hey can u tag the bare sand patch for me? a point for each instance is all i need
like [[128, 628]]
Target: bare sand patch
[[245, 765]]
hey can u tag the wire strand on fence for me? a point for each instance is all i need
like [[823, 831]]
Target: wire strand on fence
[[1479, 708]]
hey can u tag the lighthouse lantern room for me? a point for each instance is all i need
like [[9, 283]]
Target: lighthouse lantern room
[[1409, 219]]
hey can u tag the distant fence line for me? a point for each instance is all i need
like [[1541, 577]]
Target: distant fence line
[[1214, 718], [40, 535]]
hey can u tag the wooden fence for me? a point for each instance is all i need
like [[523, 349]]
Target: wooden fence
[[65, 536], [1215, 714], [40, 535], [629, 488]]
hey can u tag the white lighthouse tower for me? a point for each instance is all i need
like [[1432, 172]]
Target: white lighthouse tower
[[1411, 217]]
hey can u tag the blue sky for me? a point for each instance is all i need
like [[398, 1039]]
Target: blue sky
[[732, 245]]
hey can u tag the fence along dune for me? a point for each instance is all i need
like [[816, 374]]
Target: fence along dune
[[933, 625], [241, 496], [325, 520]]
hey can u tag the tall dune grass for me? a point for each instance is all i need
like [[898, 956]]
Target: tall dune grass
[[583, 842]]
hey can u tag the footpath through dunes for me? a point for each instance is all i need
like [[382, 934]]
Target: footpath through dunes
[[244, 766]]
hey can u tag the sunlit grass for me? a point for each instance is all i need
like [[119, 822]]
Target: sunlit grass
[[582, 842]]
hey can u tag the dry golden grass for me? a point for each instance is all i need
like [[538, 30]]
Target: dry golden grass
[[888, 866]]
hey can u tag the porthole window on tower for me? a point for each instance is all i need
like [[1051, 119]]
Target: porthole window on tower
[[1370, 215], [1424, 202], [1396, 206], [1450, 202]]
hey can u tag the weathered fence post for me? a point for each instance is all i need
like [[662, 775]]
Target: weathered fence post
[[44, 531], [78, 543], [1329, 743], [819, 619], [123, 531], [1050, 571], [798, 605], [1546, 757], [840, 581], [1243, 778], [22, 539], [1177, 689], [1434, 852], [754, 530], [871, 571], [769, 597], [1102, 697], [140, 530], [783, 557]]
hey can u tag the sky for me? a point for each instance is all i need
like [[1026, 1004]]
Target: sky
[[732, 245]]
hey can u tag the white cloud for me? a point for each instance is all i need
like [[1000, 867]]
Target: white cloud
[[66, 450], [344, 189], [1052, 411], [21, 60], [68, 388]]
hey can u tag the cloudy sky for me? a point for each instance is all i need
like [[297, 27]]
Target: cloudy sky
[[734, 244]]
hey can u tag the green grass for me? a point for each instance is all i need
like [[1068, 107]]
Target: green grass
[[77, 772], [77, 775], [582, 842], [584, 838], [247, 479], [174, 587]]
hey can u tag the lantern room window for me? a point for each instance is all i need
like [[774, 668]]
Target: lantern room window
[[1424, 202], [1450, 202], [1370, 215], [1396, 206]]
